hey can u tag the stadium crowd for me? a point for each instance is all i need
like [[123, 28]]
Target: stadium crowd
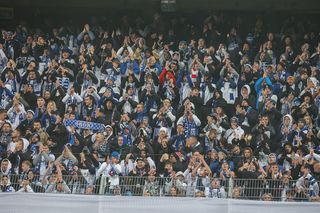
[[166, 107]]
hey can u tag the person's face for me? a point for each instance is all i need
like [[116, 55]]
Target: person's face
[[168, 167], [269, 45], [225, 166], [3, 116], [212, 135], [109, 105], [109, 131], [86, 38], [40, 102], [166, 104], [107, 93], [6, 128], [265, 120], [15, 134], [40, 40], [45, 149], [114, 160], [4, 165], [304, 76], [29, 40], [59, 187], [70, 110], [120, 141], [270, 36], [99, 137], [30, 175], [19, 145], [173, 159], [89, 190], [140, 164], [234, 124], [5, 180], [87, 101], [25, 167], [139, 108], [152, 60], [308, 119], [65, 55], [272, 159], [182, 46], [130, 91], [196, 155], [286, 120], [50, 106], [10, 75], [173, 191], [244, 91], [151, 178], [316, 167], [300, 124], [32, 75], [275, 168], [236, 193], [162, 134], [47, 95], [236, 150], [307, 99], [72, 116], [288, 148], [219, 110], [247, 153], [180, 129], [37, 126], [164, 142], [143, 154], [246, 47], [285, 179], [287, 40], [215, 184], [214, 155], [201, 43], [267, 197], [31, 66]]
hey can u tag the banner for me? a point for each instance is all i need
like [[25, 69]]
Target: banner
[[53, 203], [85, 125]]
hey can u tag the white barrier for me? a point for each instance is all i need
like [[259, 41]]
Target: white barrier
[[54, 203]]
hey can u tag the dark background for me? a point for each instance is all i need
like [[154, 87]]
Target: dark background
[[37, 11]]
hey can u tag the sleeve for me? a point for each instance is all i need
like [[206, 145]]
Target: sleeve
[[102, 168], [65, 98], [196, 120]]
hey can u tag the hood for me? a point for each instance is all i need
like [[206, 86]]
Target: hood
[[314, 81], [25, 144], [290, 117], [248, 88], [8, 169]]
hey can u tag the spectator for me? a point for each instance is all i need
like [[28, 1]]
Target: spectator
[[206, 99], [5, 185], [215, 190]]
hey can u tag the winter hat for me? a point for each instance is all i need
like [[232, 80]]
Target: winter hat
[[115, 154], [163, 129], [179, 174], [234, 119], [32, 112], [248, 65], [67, 50]]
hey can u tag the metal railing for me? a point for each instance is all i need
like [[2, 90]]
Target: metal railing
[[253, 189]]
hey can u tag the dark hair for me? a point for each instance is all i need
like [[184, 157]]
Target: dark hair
[[37, 121]]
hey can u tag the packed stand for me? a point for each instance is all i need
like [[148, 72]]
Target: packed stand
[[162, 108]]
